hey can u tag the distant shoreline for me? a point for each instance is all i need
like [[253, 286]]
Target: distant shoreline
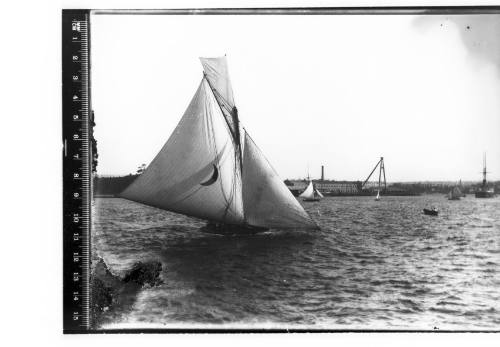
[[112, 186]]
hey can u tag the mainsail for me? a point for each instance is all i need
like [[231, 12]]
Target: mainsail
[[216, 72], [199, 149], [205, 170]]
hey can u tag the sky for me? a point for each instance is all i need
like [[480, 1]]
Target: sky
[[339, 91]]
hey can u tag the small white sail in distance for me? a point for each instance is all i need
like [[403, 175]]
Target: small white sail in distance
[[378, 195], [455, 194], [309, 192], [208, 170]]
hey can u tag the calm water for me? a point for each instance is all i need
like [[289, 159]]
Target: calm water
[[374, 265]]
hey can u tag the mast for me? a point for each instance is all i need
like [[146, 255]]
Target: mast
[[199, 171], [233, 129], [484, 170], [197, 164]]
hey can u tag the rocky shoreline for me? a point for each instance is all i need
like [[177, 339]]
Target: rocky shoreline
[[112, 296]]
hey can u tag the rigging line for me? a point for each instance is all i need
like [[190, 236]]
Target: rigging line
[[226, 104], [228, 200], [215, 93], [236, 139], [211, 136]]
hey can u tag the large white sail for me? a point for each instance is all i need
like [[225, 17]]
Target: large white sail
[[309, 192], [194, 173], [266, 199], [217, 73], [202, 172]]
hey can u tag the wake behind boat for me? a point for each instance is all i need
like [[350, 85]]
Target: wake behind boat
[[211, 169]]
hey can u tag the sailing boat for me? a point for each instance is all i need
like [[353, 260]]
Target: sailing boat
[[377, 198], [311, 193], [455, 194], [484, 192], [210, 168]]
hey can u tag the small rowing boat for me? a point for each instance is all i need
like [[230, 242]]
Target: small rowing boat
[[431, 212]]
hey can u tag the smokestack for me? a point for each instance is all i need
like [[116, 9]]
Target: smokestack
[[322, 173]]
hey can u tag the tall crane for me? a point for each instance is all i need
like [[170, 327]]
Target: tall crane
[[381, 166]]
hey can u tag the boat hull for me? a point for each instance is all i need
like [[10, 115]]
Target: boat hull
[[311, 200], [484, 194], [430, 212], [231, 229]]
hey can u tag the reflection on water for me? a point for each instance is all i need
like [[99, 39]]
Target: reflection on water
[[373, 265]]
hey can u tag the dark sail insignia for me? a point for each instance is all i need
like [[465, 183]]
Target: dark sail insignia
[[212, 179]]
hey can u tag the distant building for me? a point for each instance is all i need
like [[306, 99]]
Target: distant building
[[325, 186]]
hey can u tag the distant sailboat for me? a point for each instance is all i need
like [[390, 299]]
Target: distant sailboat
[[484, 192], [455, 194], [311, 193], [211, 169], [377, 198]]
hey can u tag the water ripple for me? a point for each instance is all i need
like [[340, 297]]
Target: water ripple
[[373, 265]]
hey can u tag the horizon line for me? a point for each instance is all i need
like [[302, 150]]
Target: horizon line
[[348, 180]]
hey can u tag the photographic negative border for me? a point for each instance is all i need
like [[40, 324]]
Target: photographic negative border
[[78, 141]]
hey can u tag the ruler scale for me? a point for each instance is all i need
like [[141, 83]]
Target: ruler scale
[[77, 169]]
